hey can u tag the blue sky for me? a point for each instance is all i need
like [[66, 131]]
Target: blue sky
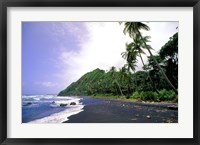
[[54, 54]]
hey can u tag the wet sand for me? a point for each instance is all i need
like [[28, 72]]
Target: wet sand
[[118, 111]]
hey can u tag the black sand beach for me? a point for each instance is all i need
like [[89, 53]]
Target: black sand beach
[[117, 111]]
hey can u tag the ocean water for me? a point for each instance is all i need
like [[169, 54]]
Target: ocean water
[[49, 108]]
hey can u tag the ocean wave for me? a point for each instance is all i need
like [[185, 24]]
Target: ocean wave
[[50, 104], [60, 116], [29, 104], [46, 97], [37, 98], [68, 101], [31, 98], [65, 102]]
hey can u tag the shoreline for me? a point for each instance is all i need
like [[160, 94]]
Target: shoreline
[[98, 110], [120, 98], [136, 101]]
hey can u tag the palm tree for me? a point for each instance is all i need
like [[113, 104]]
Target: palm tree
[[133, 28], [130, 56], [123, 75], [138, 45], [113, 70]]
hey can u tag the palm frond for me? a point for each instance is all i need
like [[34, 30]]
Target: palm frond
[[142, 26]]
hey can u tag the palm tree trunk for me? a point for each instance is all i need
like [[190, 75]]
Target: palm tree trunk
[[162, 72], [135, 81], [129, 82], [119, 87], [148, 74]]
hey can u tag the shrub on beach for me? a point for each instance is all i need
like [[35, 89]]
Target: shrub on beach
[[136, 95], [163, 95], [149, 95]]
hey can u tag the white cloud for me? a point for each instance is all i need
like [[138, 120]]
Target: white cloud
[[46, 84], [102, 47], [160, 33]]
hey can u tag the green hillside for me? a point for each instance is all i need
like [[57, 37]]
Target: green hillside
[[84, 85], [97, 81]]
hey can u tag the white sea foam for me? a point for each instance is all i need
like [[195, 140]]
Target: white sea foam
[[68, 101], [46, 97], [31, 98], [60, 116]]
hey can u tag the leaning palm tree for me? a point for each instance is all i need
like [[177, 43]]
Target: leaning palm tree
[[133, 28], [138, 45]]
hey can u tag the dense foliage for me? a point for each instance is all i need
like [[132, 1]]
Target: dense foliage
[[158, 81]]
